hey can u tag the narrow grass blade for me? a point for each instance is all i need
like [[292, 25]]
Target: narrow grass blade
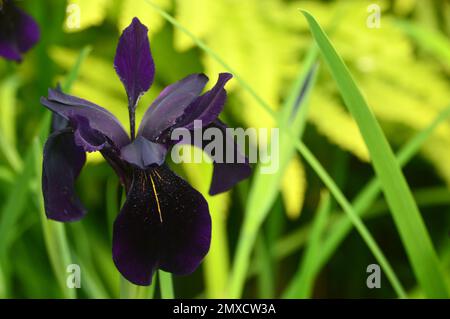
[[266, 280], [261, 197], [84, 247], [6, 175], [131, 291], [75, 70], [303, 281], [10, 153], [246, 241], [408, 220], [430, 40], [15, 204], [425, 197], [8, 91], [352, 215], [292, 242], [364, 200], [146, 292], [348, 209], [294, 110], [127, 289], [297, 239], [166, 285], [3, 286], [91, 283]]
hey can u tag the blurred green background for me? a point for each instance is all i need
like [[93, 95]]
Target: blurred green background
[[403, 69]]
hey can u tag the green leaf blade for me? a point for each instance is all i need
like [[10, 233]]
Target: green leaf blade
[[408, 220]]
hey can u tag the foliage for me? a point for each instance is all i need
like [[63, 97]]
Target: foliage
[[401, 69]]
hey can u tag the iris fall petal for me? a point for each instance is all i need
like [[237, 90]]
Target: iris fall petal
[[164, 223], [62, 164]]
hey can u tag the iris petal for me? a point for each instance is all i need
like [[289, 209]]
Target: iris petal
[[62, 163], [164, 223], [143, 153], [170, 106], [27, 31], [228, 169], [91, 140], [99, 118], [207, 107], [18, 32], [86, 137], [225, 174], [133, 62]]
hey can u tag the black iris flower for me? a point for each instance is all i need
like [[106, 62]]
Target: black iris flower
[[18, 31], [164, 223]]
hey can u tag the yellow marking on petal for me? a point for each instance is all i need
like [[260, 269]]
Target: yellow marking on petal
[[156, 196], [159, 176]]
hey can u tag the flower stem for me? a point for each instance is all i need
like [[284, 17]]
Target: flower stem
[[132, 124]]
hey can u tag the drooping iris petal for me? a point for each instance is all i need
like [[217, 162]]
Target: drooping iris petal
[[170, 106], [164, 223], [230, 168], [207, 107], [92, 140], [18, 31], [99, 118], [62, 163], [143, 153], [226, 174], [133, 62]]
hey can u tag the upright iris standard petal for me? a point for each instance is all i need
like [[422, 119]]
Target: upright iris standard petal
[[100, 119], [18, 31], [63, 161], [133, 62], [164, 223], [207, 107], [170, 105]]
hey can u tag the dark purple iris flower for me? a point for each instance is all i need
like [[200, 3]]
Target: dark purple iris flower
[[18, 31], [164, 222]]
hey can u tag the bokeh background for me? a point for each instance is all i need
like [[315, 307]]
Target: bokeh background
[[403, 69]]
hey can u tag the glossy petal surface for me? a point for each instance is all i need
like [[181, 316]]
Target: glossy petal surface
[[62, 164], [164, 223], [133, 62]]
